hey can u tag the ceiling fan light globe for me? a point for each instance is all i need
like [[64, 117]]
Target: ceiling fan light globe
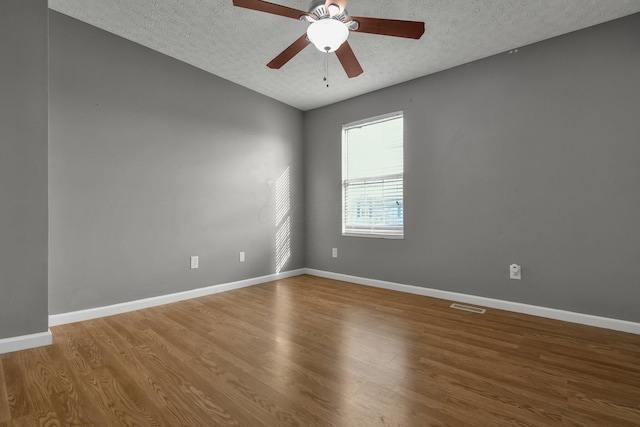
[[327, 35]]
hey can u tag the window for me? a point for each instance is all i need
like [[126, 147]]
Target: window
[[372, 177]]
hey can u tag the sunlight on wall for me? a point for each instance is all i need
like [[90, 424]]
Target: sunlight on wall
[[283, 220]]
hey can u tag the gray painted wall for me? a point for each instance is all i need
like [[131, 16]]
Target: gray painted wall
[[531, 157], [151, 161], [23, 167]]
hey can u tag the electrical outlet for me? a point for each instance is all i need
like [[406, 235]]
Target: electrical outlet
[[334, 252], [242, 256], [194, 262], [515, 272]]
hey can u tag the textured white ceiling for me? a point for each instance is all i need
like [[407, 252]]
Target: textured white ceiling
[[236, 43]]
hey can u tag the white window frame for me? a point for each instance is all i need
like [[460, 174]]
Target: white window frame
[[373, 231]]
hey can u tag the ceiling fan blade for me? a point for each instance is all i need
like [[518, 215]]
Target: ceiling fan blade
[[390, 27], [348, 60], [276, 9], [286, 55]]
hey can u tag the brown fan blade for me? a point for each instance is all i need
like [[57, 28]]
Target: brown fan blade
[[286, 55], [276, 9], [348, 60], [340, 3], [390, 27]]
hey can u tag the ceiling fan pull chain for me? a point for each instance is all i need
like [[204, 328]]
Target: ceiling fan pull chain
[[326, 68]]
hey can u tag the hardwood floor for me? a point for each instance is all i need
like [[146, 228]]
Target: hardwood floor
[[307, 351]]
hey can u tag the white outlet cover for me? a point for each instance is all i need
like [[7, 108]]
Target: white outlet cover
[[194, 260], [515, 272], [334, 252], [242, 257]]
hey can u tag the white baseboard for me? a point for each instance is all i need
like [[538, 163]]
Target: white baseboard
[[109, 310], [23, 342], [550, 313]]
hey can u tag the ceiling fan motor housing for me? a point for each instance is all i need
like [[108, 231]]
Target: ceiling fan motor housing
[[318, 8], [321, 11]]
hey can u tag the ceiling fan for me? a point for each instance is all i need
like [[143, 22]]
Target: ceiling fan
[[329, 28]]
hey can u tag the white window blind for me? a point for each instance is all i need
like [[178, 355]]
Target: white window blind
[[372, 177]]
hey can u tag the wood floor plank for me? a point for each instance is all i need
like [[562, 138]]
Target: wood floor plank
[[16, 390], [300, 386], [134, 377], [4, 398], [107, 385], [179, 372], [307, 351], [174, 405], [65, 351], [67, 402], [41, 382], [247, 389], [319, 369]]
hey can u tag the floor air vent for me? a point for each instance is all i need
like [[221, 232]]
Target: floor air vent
[[468, 308]]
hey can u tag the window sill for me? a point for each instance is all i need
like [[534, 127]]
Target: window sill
[[374, 236]]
